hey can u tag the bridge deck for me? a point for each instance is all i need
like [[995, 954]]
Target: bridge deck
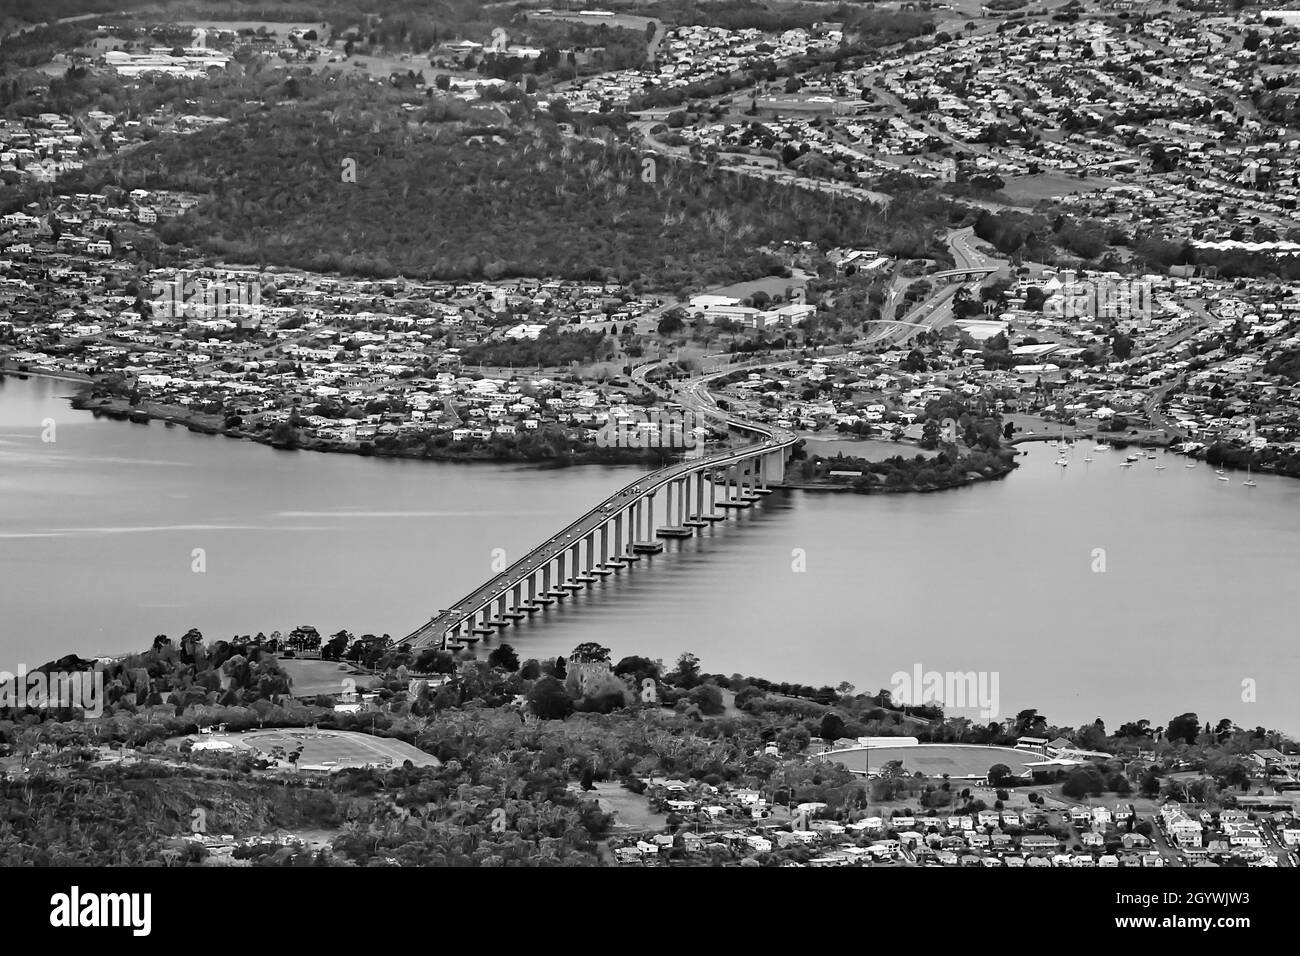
[[435, 632]]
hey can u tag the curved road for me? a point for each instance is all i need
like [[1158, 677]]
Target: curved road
[[933, 312]]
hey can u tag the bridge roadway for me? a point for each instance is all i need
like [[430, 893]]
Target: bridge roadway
[[962, 273], [571, 560], [735, 478]]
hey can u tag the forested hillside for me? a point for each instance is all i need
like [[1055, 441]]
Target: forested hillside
[[438, 196]]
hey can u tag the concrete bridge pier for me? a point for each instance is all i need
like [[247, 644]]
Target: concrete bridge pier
[[531, 605], [676, 528], [558, 591], [776, 467], [633, 532], [712, 514], [749, 488], [586, 577], [618, 559], [516, 610], [544, 599], [484, 627], [733, 488], [499, 619], [649, 545], [695, 518], [603, 568], [571, 583]]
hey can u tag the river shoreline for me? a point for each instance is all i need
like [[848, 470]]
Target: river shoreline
[[846, 487], [292, 539], [21, 373], [120, 410]]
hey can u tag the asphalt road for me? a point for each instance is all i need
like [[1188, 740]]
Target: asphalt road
[[936, 311]]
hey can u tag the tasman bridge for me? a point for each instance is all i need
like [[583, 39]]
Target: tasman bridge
[[618, 531]]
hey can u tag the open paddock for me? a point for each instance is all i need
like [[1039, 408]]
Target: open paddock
[[328, 748]]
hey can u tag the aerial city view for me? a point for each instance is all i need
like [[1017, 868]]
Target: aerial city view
[[679, 433]]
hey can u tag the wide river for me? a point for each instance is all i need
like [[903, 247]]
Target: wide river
[[99, 530]]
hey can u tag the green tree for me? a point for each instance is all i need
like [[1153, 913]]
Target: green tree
[[708, 698], [1184, 727], [638, 669], [832, 728], [336, 645], [999, 775], [1121, 345], [670, 324], [1150, 784], [504, 656], [548, 699], [1083, 781], [688, 671], [590, 653]]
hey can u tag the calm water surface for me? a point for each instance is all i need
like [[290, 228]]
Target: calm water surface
[[98, 531]]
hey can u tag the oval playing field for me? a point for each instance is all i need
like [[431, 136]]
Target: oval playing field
[[934, 760]]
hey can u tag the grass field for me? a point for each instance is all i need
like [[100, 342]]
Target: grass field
[[631, 810], [321, 677], [956, 760], [345, 748], [1027, 190], [623, 20], [772, 285]]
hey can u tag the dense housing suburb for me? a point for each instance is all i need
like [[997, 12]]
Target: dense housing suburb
[[768, 250]]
